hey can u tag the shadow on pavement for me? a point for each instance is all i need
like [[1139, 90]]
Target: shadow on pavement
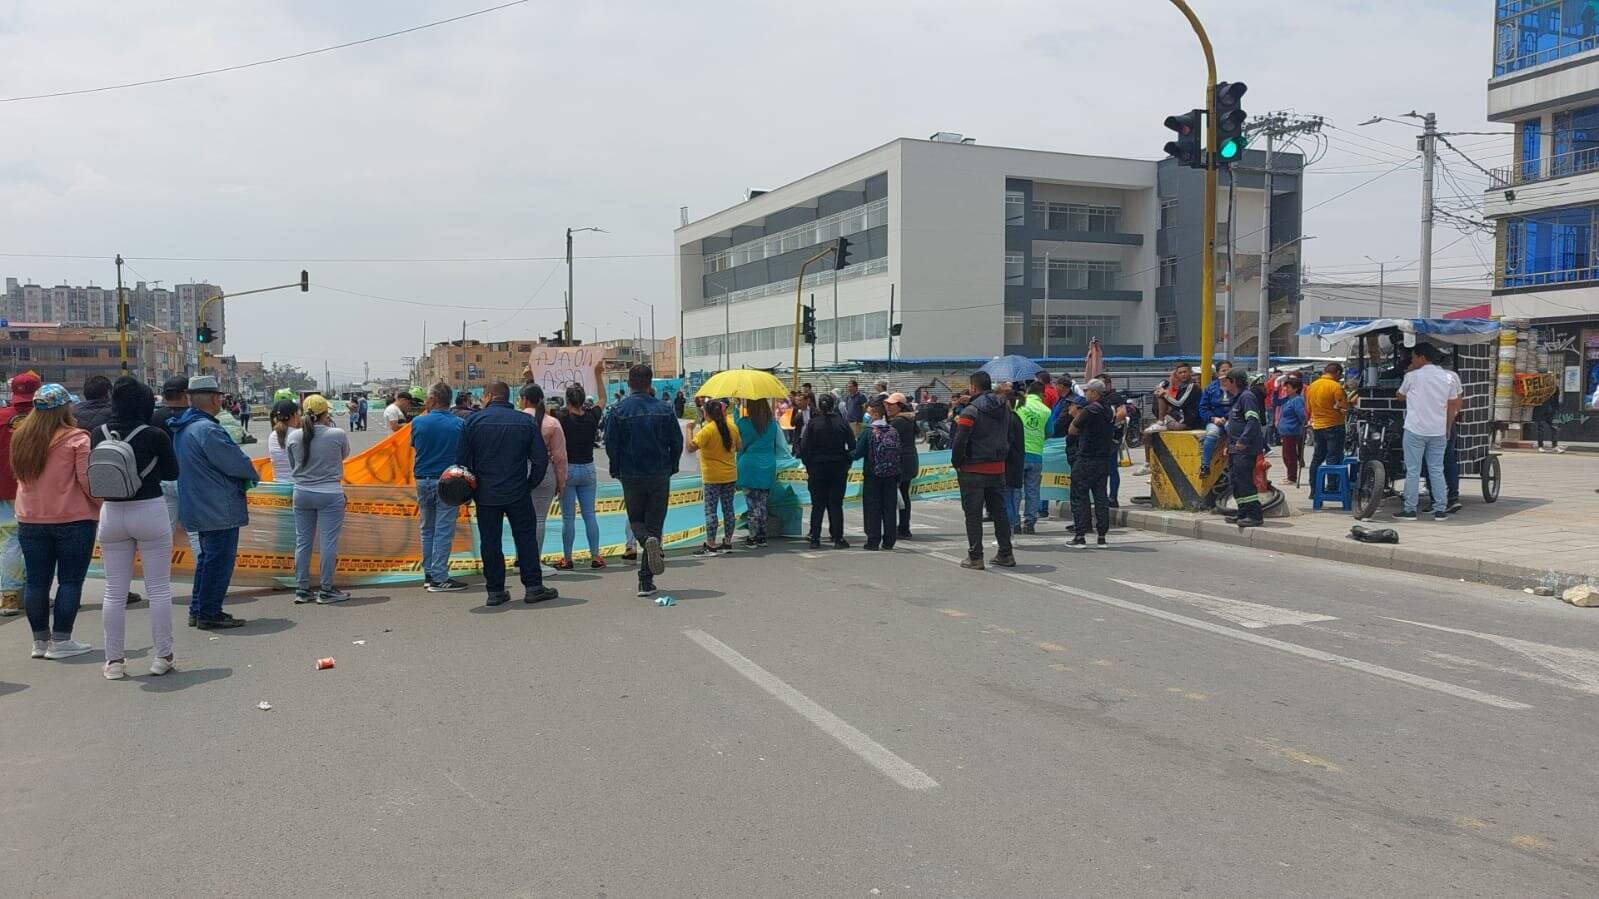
[[257, 627], [181, 679], [7, 689], [363, 601], [516, 604], [691, 593]]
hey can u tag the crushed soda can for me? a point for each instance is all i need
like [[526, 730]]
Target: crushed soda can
[[665, 601], [324, 664]]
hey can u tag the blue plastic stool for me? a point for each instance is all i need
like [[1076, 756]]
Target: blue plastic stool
[[1337, 474]]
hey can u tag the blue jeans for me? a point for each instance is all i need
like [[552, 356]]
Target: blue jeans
[[317, 514], [1419, 449], [55, 552], [213, 572], [581, 482], [438, 530], [1452, 466], [1032, 480], [1207, 448], [1115, 478]]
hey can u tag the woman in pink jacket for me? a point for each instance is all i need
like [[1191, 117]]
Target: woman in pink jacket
[[554, 483], [56, 518]]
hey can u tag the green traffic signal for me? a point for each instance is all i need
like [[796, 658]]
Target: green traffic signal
[[1231, 149]]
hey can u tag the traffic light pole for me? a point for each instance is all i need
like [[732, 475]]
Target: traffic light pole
[[1207, 324], [122, 319], [799, 307], [304, 284]]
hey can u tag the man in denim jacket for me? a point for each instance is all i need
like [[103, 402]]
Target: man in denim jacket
[[644, 442]]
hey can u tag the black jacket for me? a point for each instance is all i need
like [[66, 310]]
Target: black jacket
[[151, 444], [505, 449], [91, 414], [826, 439], [909, 461], [983, 432], [1016, 455]]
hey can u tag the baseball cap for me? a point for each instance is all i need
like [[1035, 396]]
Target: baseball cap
[[51, 396], [24, 386], [204, 384], [174, 386], [316, 404], [897, 399]]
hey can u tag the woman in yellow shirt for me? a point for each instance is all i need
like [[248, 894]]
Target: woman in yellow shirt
[[717, 443]]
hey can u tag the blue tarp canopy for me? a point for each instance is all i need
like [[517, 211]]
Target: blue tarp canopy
[[1433, 330]]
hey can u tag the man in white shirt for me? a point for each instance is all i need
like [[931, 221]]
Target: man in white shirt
[[1432, 400], [398, 412]]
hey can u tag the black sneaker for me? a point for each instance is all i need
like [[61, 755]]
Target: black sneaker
[[218, 624], [1204, 471], [497, 599], [760, 542], [654, 556], [902, 534], [1100, 542], [815, 543], [841, 543], [1029, 529], [1455, 506], [1077, 543], [647, 588], [134, 597], [1252, 523], [872, 547], [1440, 516], [1004, 560], [332, 595], [192, 620], [301, 597], [450, 585], [1404, 515], [540, 594]]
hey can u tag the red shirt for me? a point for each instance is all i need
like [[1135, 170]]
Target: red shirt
[[1051, 395], [8, 479]]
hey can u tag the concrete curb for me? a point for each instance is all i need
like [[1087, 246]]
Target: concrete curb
[[1278, 536]]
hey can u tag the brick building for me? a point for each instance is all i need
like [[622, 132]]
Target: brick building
[[70, 355]]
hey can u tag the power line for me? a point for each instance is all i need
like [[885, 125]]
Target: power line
[[263, 62], [384, 299], [459, 260]]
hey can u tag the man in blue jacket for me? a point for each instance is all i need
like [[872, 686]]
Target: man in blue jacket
[[213, 474], [1214, 405], [434, 440], [644, 443], [505, 450]]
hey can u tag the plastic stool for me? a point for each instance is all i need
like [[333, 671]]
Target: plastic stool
[[1336, 474]]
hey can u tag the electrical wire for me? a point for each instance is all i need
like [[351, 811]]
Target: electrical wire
[[263, 62], [352, 261], [384, 299]]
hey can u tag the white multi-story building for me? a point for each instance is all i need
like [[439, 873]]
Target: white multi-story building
[[174, 310], [970, 249]]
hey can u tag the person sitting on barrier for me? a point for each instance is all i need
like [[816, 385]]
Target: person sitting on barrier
[[1177, 402], [1246, 438], [1214, 404]]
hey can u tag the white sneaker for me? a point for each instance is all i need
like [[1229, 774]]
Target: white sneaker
[[38, 649], [1155, 428], [1542, 450], [1560, 449], [115, 671], [160, 666], [66, 649]]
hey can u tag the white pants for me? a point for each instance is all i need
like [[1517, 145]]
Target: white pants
[[142, 526]]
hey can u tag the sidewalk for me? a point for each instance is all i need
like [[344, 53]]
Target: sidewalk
[[1544, 530]]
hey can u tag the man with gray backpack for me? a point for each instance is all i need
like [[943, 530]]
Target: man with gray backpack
[[128, 460]]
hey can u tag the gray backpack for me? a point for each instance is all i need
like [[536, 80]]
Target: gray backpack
[[113, 469]]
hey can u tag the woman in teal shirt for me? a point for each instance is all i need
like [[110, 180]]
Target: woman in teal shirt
[[761, 440]]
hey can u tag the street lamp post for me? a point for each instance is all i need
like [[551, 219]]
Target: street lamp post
[[466, 369], [653, 345], [569, 279]]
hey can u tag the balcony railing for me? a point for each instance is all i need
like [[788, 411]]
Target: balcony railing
[[1577, 162], [1511, 281], [1508, 64]]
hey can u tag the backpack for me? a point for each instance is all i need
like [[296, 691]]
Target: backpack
[[113, 469], [885, 452]]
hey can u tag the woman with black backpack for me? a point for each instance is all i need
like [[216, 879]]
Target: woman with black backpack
[[136, 524], [879, 451], [825, 448]]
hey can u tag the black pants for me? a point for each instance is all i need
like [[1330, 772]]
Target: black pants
[[826, 481], [1241, 477], [878, 501], [905, 513], [524, 525], [984, 493], [1547, 429], [1329, 448], [1091, 496], [646, 500]]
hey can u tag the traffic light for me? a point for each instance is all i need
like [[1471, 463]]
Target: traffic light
[[560, 334], [841, 253], [1230, 119], [808, 324], [305, 281], [204, 334], [1189, 148]]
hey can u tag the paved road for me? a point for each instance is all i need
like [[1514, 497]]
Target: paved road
[[833, 723]]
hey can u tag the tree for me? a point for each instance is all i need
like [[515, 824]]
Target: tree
[[283, 375]]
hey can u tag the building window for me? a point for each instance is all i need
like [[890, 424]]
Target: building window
[[1530, 147], [1075, 330], [813, 233], [1576, 142], [1168, 271], [1552, 247], [1013, 328], [1078, 274], [1166, 329], [1168, 213], [1532, 32], [1077, 217], [1015, 209], [1015, 270]]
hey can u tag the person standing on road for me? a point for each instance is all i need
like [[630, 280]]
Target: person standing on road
[[643, 443], [580, 423], [800, 417], [1543, 417], [1034, 415], [1291, 418], [434, 439], [361, 408], [316, 451], [398, 412], [1328, 407], [244, 414], [979, 451], [213, 475], [137, 524], [1432, 400], [854, 407], [56, 518], [903, 420], [175, 402], [463, 405], [760, 441], [717, 444], [825, 449], [285, 417], [1246, 440], [12, 576], [505, 450], [95, 410], [878, 450], [1116, 404], [1093, 424], [679, 404], [553, 485]]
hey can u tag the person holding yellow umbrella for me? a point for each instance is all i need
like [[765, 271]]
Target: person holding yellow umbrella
[[758, 436]]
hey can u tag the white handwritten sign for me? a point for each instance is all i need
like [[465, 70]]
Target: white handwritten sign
[[557, 367]]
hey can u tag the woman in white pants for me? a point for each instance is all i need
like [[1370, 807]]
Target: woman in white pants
[[138, 524], [554, 483]]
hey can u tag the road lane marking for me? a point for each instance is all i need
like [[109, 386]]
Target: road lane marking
[[872, 752], [1579, 667], [1403, 677], [1247, 614]]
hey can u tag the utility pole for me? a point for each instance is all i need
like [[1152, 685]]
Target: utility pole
[[327, 380], [1429, 153], [569, 278], [1382, 282], [1228, 308], [813, 343], [1274, 125], [122, 318], [891, 325]]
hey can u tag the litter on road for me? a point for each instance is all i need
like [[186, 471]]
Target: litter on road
[[264, 706], [324, 664]]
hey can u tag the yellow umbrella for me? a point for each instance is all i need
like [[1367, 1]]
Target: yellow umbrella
[[744, 384]]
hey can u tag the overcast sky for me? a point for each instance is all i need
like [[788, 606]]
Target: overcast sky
[[489, 136]]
